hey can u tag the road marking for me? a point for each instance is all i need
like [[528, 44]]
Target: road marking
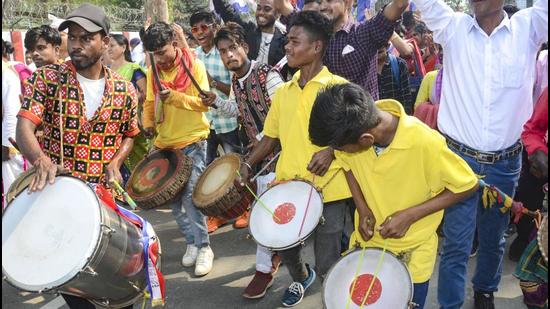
[[35, 300], [56, 303]]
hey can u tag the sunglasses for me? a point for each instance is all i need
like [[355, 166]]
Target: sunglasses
[[203, 28]]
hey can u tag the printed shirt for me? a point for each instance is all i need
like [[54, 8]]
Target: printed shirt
[[352, 51], [217, 70], [88, 144], [288, 121], [415, 167]]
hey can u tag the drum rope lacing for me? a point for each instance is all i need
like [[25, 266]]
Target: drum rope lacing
[[375, 275]]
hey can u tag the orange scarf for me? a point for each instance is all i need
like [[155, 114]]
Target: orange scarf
[[182, 80]]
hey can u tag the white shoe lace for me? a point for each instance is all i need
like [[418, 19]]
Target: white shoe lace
[[296, 288], [204, 257]]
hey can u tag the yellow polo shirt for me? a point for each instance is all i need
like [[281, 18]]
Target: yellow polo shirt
[[414, 168], [184, 120], [288, 121]]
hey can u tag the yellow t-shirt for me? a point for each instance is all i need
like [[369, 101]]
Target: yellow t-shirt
[[184, 120], [426, 88], [414, 168], [288, 121]]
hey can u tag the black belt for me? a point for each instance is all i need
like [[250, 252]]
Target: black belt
[[487, 157]]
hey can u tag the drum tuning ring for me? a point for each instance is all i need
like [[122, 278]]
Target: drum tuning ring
[[322, 221], [135, 286], [90, 271], [248, 236], [108, 230]]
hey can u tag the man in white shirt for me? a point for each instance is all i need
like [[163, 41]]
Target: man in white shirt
[[487, 97]]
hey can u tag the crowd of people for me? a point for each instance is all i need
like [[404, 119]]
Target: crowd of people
[[337, 97]]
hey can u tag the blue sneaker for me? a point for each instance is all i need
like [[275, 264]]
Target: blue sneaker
[[295, 292]]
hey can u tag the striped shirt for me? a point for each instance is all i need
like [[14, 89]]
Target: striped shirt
[[215, 67]]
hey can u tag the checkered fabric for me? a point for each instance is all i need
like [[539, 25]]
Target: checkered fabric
[[88, 144], [352, 51], [215, 67]]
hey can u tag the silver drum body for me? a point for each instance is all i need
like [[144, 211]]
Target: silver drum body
[[65, 239]]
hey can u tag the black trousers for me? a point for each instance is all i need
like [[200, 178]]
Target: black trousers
[[530, 194]]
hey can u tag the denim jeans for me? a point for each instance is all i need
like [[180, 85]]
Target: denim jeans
[[191, 222], [420, 294], [229, 141], [327, 242], [459, 226]]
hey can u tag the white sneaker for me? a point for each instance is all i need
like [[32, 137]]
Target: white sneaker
[[204, 261], [190, 256]]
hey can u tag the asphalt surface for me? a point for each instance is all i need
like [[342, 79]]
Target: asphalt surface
[[233, 269]]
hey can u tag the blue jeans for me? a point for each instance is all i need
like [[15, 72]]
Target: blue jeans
[[420, 294], [191, 222], [459, 227]]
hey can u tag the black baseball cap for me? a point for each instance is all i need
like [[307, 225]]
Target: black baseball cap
[[88, 16]]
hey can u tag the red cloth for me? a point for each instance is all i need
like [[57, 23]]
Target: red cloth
[[535, 131], [182, 80], [427, 113]]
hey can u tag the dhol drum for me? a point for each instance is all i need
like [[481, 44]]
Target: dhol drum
[[159, 178], [393, 287], [65, 239], [294, 209], [19, 184], [215, 193]]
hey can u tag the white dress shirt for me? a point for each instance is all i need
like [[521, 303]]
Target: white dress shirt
[[488, 79], [11, 89]]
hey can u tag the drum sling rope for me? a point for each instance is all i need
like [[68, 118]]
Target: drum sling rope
[[259, 201], [375, 275]]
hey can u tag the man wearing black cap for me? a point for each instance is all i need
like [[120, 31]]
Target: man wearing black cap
[[97, 114]]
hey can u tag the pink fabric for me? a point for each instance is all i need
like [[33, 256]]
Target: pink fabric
[[541, 81], [427, 111]]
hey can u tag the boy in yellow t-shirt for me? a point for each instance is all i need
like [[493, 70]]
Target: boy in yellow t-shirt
[[400, 172]]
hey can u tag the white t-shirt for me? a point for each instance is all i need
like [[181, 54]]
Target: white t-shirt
[[93, 93], [263, 54]]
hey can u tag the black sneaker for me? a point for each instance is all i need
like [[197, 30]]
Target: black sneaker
[[484, 300]]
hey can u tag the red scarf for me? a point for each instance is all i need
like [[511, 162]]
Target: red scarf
[[182, 80]]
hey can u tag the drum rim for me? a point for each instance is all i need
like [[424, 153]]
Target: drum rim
[[540, 236], [358, 251], [26, 174], [200, 199], [87, 260], [303, 238], [129, 185]]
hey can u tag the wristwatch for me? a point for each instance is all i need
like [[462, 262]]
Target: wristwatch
[[214, 83]]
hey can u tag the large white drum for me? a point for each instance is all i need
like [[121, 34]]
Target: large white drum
[[392, 289], [293, 220], [63, 239]]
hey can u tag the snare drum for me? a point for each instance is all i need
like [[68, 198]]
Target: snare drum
[[290, 225], [159, 178], [393, 287], [65, 239], [215, 194]]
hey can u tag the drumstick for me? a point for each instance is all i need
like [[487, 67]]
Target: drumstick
[[264, 206], [14, 144], [127, 197], [266, 166]]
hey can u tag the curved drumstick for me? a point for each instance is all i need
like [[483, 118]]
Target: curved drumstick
[[13, 143], [265, 167], [127, 197]]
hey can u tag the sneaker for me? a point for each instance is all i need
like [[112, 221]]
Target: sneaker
[[190, 256], [484, 300], [275, 263], [242, 221], [295, 292], [214, 223], [258, 286], [511, 231], [205, 259]]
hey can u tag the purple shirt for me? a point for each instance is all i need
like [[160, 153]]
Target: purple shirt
[[352, 51]]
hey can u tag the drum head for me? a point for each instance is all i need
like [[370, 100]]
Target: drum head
[[159, 177], [48, 236], [216, 180], [393, 287], [288, 201]]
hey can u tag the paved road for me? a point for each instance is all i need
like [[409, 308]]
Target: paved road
[[234, 267]]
